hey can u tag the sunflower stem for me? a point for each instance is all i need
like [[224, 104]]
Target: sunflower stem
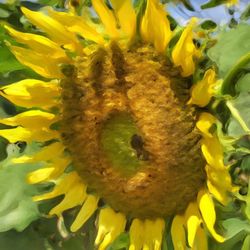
[[233, 74], [238, 117]]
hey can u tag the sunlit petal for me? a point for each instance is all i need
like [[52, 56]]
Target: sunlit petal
[[32, 119], [46, 153], [74, 197], [206, 206], [42, 64], [126, 16], [76, 24], [184, 51], [136, 234], [110, 225], [87, 210], [159, 34], [23, 134], [205, 123], [32, 93], [203, 91], [37, 43], [178, 233], [62, 186], [153, 233], [107, 17], [55, 30]]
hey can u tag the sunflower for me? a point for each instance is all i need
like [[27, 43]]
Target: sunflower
[[116, 103]]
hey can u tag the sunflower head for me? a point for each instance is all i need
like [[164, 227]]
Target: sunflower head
[[131, 106]]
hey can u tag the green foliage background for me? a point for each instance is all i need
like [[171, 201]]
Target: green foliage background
[[24, 224]]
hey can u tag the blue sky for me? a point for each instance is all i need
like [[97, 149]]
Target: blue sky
[[218, 14]]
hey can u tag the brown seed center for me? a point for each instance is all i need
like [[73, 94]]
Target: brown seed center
[[165, 149]]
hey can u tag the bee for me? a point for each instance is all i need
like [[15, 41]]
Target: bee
[[137, 144], [72, 3]]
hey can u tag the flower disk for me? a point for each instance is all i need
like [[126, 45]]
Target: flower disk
[[129, 130]]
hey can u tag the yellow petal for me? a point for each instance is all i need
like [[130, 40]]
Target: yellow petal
[[22, 134], [33, 126], [136, 234], [212, 151], [185, 50], [39, 175], [76, 24], [200, 240], [107, 17], [50, 172], [178, 233], [205, 122], [232, 2], [220, 189], [110, 225], [42, 64], [193, 224], [154, 230], [16, 134], [55, 30], [74, 197], [32, 119], [59, 164], [32, 93], [62, 187], [216, 175], [219, 195], [87, 210], [203, 91], [38, 44], [192, 210], [193, 221], [126, 16], [159, 34], [44, 154], [206, 206]]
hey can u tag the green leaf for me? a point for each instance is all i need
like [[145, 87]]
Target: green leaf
[[213, 3], [55, 3], [234, 226], [208, 24], [246, 204], [8, 62], [87, 3], [4, 13], [43, 234], [140, 6], [28, 240], [239, 69], [243, 85], [3, 144], [17, 208], [239, 123], [231, 46], [246, 13], [186, 3], [246, 243], [230, 244], [245, 164], [120, 243]]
